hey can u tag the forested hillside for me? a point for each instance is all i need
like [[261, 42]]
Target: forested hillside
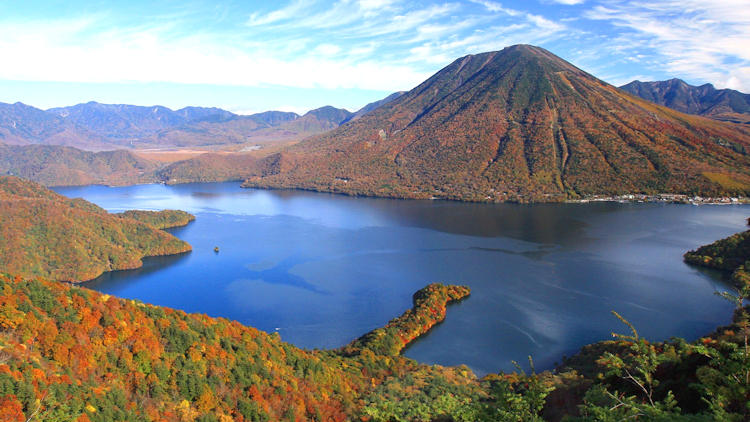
[[44, 234], [164, 219], [73, 354], [53, 165]]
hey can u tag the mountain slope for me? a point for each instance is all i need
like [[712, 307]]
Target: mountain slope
[[95, 126], [123, 122], [517, 124], [44, 234], [319, 120], [21, 124], [372, 106], [274, 118], [93, 357], [704, 100], [54, 165]]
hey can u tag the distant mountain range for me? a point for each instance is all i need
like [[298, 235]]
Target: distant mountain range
[[95, 126], [705, 100], [517, 124]]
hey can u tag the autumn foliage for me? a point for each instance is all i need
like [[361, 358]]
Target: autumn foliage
[[68, 352], [429, 309], [48, 235], [163, 219]]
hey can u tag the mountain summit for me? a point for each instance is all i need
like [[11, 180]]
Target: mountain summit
[[517, 124]]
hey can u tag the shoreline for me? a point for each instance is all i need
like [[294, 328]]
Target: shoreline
[[668, 198]]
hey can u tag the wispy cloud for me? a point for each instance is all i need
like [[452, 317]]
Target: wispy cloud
[[696, 39], [567, 2], [292, 10], [382, 45], [373, 45]]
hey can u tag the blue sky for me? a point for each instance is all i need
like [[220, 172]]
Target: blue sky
[[250, 56]]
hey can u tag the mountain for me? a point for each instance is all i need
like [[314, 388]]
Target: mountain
[[198, 114], [318, 120], [261, 127], [372, 106], [54, 165], [45, 234], [95, 126], [125, 122], [274, 118], [132, 126], [137, 126], [519, 124], [21, 124], [705, 100]]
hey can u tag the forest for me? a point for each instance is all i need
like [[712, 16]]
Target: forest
[[164, 219], [44, 234]]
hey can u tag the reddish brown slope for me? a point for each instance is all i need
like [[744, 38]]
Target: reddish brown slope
[[517, 124]]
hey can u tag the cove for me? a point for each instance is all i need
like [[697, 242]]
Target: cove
[[323, 269]]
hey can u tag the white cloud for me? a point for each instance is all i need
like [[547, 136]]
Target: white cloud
[[327, 49], [567, 2], [290, 11], [66, 51], [696, 39], [383, 45]]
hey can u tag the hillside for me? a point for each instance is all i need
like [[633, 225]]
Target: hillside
[[21, 124], [210, 167], [517, 125], [53, 165], [44, 234], [261, 127], [705, 100], [180, 366], [731, 254]]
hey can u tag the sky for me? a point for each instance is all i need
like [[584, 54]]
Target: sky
[[252, 56]]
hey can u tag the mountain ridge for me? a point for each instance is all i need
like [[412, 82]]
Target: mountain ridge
[[96, 126], [705, 100]]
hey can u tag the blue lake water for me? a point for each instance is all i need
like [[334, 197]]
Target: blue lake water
[[323, 269]]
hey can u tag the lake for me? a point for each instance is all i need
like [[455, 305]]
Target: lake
[[323, 269]]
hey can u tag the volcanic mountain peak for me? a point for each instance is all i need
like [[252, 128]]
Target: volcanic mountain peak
[[517, 124]]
